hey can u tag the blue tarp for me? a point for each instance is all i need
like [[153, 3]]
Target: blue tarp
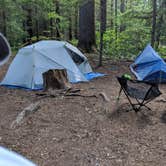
[[149, 66], [88, 76], [92, 75]]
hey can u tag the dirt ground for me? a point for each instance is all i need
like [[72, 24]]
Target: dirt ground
[[85, 131]]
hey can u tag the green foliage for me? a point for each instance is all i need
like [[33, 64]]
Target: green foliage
[[162, 51], [13, 21], [136, 34], [128, 44], [74, 42], [136, 21]]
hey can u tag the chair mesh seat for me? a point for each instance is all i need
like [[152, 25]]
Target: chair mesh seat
[[140, 91], [143, 92]]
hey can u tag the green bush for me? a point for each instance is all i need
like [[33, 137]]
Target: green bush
[[162, 51], [127, 45]]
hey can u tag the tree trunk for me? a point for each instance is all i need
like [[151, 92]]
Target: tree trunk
[[76, 22], [103, 10], [51, 27], [37, 24], [86, 26], [103, 19], [159, 24], [70, 28], [122, 10], [57, 21], [29, 24], [116, 14], [112, 14], [55, 79], [153, 23], [4, 23]]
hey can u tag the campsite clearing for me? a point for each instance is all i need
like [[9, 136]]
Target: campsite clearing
[[85, 131]]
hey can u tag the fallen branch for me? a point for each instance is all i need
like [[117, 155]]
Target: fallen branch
[[26, 111], [43, 95], [75, 94], [161, 100], [104, 96]]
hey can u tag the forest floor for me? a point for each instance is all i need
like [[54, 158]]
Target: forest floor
[[85, 131]]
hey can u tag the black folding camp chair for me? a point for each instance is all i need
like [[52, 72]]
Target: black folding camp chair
[[142, 92]]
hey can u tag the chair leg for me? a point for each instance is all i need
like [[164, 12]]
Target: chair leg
[[137, 109], [148, 107]]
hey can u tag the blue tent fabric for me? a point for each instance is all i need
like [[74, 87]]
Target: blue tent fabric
[[92, 75], [149, 66]]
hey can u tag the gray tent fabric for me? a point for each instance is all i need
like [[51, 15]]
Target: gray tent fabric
[[31, 61]]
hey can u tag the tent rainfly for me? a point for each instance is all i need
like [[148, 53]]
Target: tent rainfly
[[149, 66], [31, 61]]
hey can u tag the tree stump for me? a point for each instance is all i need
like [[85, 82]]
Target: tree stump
[[55, 79]]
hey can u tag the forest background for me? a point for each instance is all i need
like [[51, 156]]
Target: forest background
[[118, 28]]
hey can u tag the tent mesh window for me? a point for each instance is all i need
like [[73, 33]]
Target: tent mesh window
[[76, 58]]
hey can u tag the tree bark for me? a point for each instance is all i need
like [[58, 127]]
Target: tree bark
[[86, 26]]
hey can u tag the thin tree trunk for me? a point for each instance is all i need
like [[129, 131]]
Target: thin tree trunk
[[29, 24], [116, 14], [37, 25], [103, 9], [76, 22], [70, 28], [4, 23], [51, 27], [102, 27], [160, 22], [112, 14], [153, 23], [158, 31], [122, 10], [57, 26]]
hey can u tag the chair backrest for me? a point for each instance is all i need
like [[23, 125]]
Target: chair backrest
[[138, 89]]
